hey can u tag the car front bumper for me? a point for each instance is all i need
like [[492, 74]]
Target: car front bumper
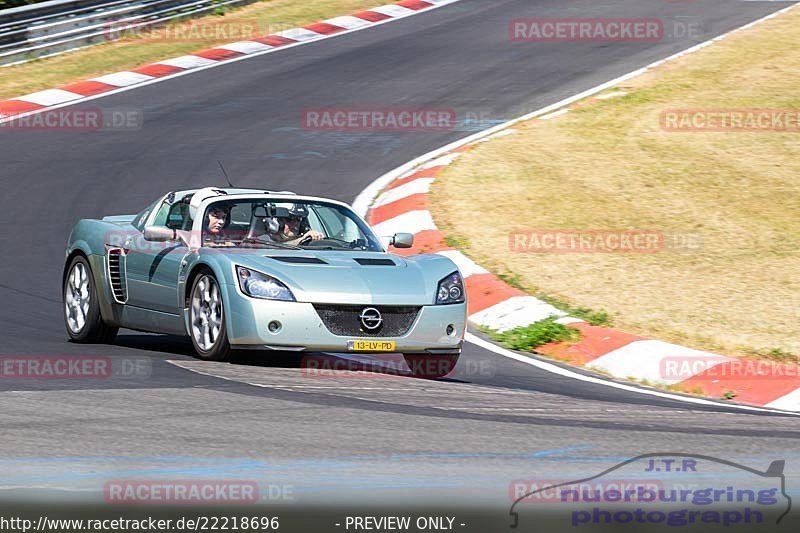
[[302, 329]]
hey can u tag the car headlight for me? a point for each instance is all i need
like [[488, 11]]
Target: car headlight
[[258, 285], [450, 290]]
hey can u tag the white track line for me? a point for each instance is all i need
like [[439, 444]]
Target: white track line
[[189, 62], [364, 201], [418, 186], [789, 401], [245, 47], [515, 312], [300, 34], [50, 97], [392, 10], [347, 21], [555, 369], [410, 221], [649, 360], [6, 118], [121, 79], [465, 265]]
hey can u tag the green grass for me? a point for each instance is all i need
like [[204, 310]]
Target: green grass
[[595, 318], [512, 280], [695, 391], [455, 241], [727, 275], [780, 356], [528, 338]]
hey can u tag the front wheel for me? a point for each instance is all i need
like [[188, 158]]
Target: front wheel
[[429, 366], [82, 306], [207, 320]]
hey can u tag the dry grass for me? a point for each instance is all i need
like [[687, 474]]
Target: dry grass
[[609, 165], [268, 16]]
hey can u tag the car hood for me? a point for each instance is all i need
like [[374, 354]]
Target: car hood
[[353, 278]]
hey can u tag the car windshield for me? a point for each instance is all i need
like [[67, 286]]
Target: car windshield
[[259, 223]]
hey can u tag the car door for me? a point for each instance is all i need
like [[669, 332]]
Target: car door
[[153, 268]]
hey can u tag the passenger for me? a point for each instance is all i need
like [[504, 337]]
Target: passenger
[[217, 220]]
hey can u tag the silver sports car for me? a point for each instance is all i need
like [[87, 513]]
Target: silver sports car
[[249, 269]]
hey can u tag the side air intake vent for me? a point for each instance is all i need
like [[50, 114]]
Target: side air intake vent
[[366, 261], [115, 261], [298, 260]]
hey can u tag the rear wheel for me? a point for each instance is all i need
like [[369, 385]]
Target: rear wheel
[[82, 306], [207, 319], [429, 366]]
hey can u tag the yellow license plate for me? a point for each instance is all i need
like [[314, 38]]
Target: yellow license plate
[[371, 346]]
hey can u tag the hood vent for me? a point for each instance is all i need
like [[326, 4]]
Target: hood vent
[[366, 261], [298, 260]]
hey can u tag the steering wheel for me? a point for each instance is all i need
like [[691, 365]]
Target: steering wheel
[[306, 240]]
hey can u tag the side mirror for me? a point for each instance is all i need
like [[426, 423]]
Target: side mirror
[[159, 234], [403, 240]]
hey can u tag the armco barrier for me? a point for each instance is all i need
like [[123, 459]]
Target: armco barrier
[[50, 28]]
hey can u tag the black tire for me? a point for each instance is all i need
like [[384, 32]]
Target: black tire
[[429, 366], [202, 321], [82, 317]]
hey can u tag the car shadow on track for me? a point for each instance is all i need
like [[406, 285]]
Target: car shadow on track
[[167, 344], [330, 364], [172, 345], [311, 362]]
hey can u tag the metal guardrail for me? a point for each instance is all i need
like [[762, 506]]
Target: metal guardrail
[[50, 28]]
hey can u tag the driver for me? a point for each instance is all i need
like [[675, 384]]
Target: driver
[[294, 228]]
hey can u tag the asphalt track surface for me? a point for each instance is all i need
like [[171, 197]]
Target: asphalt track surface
[[367, 439]]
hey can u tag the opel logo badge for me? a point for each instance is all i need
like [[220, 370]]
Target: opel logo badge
[[371, 318]]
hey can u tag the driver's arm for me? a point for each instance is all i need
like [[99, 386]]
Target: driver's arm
[[315, 236]]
